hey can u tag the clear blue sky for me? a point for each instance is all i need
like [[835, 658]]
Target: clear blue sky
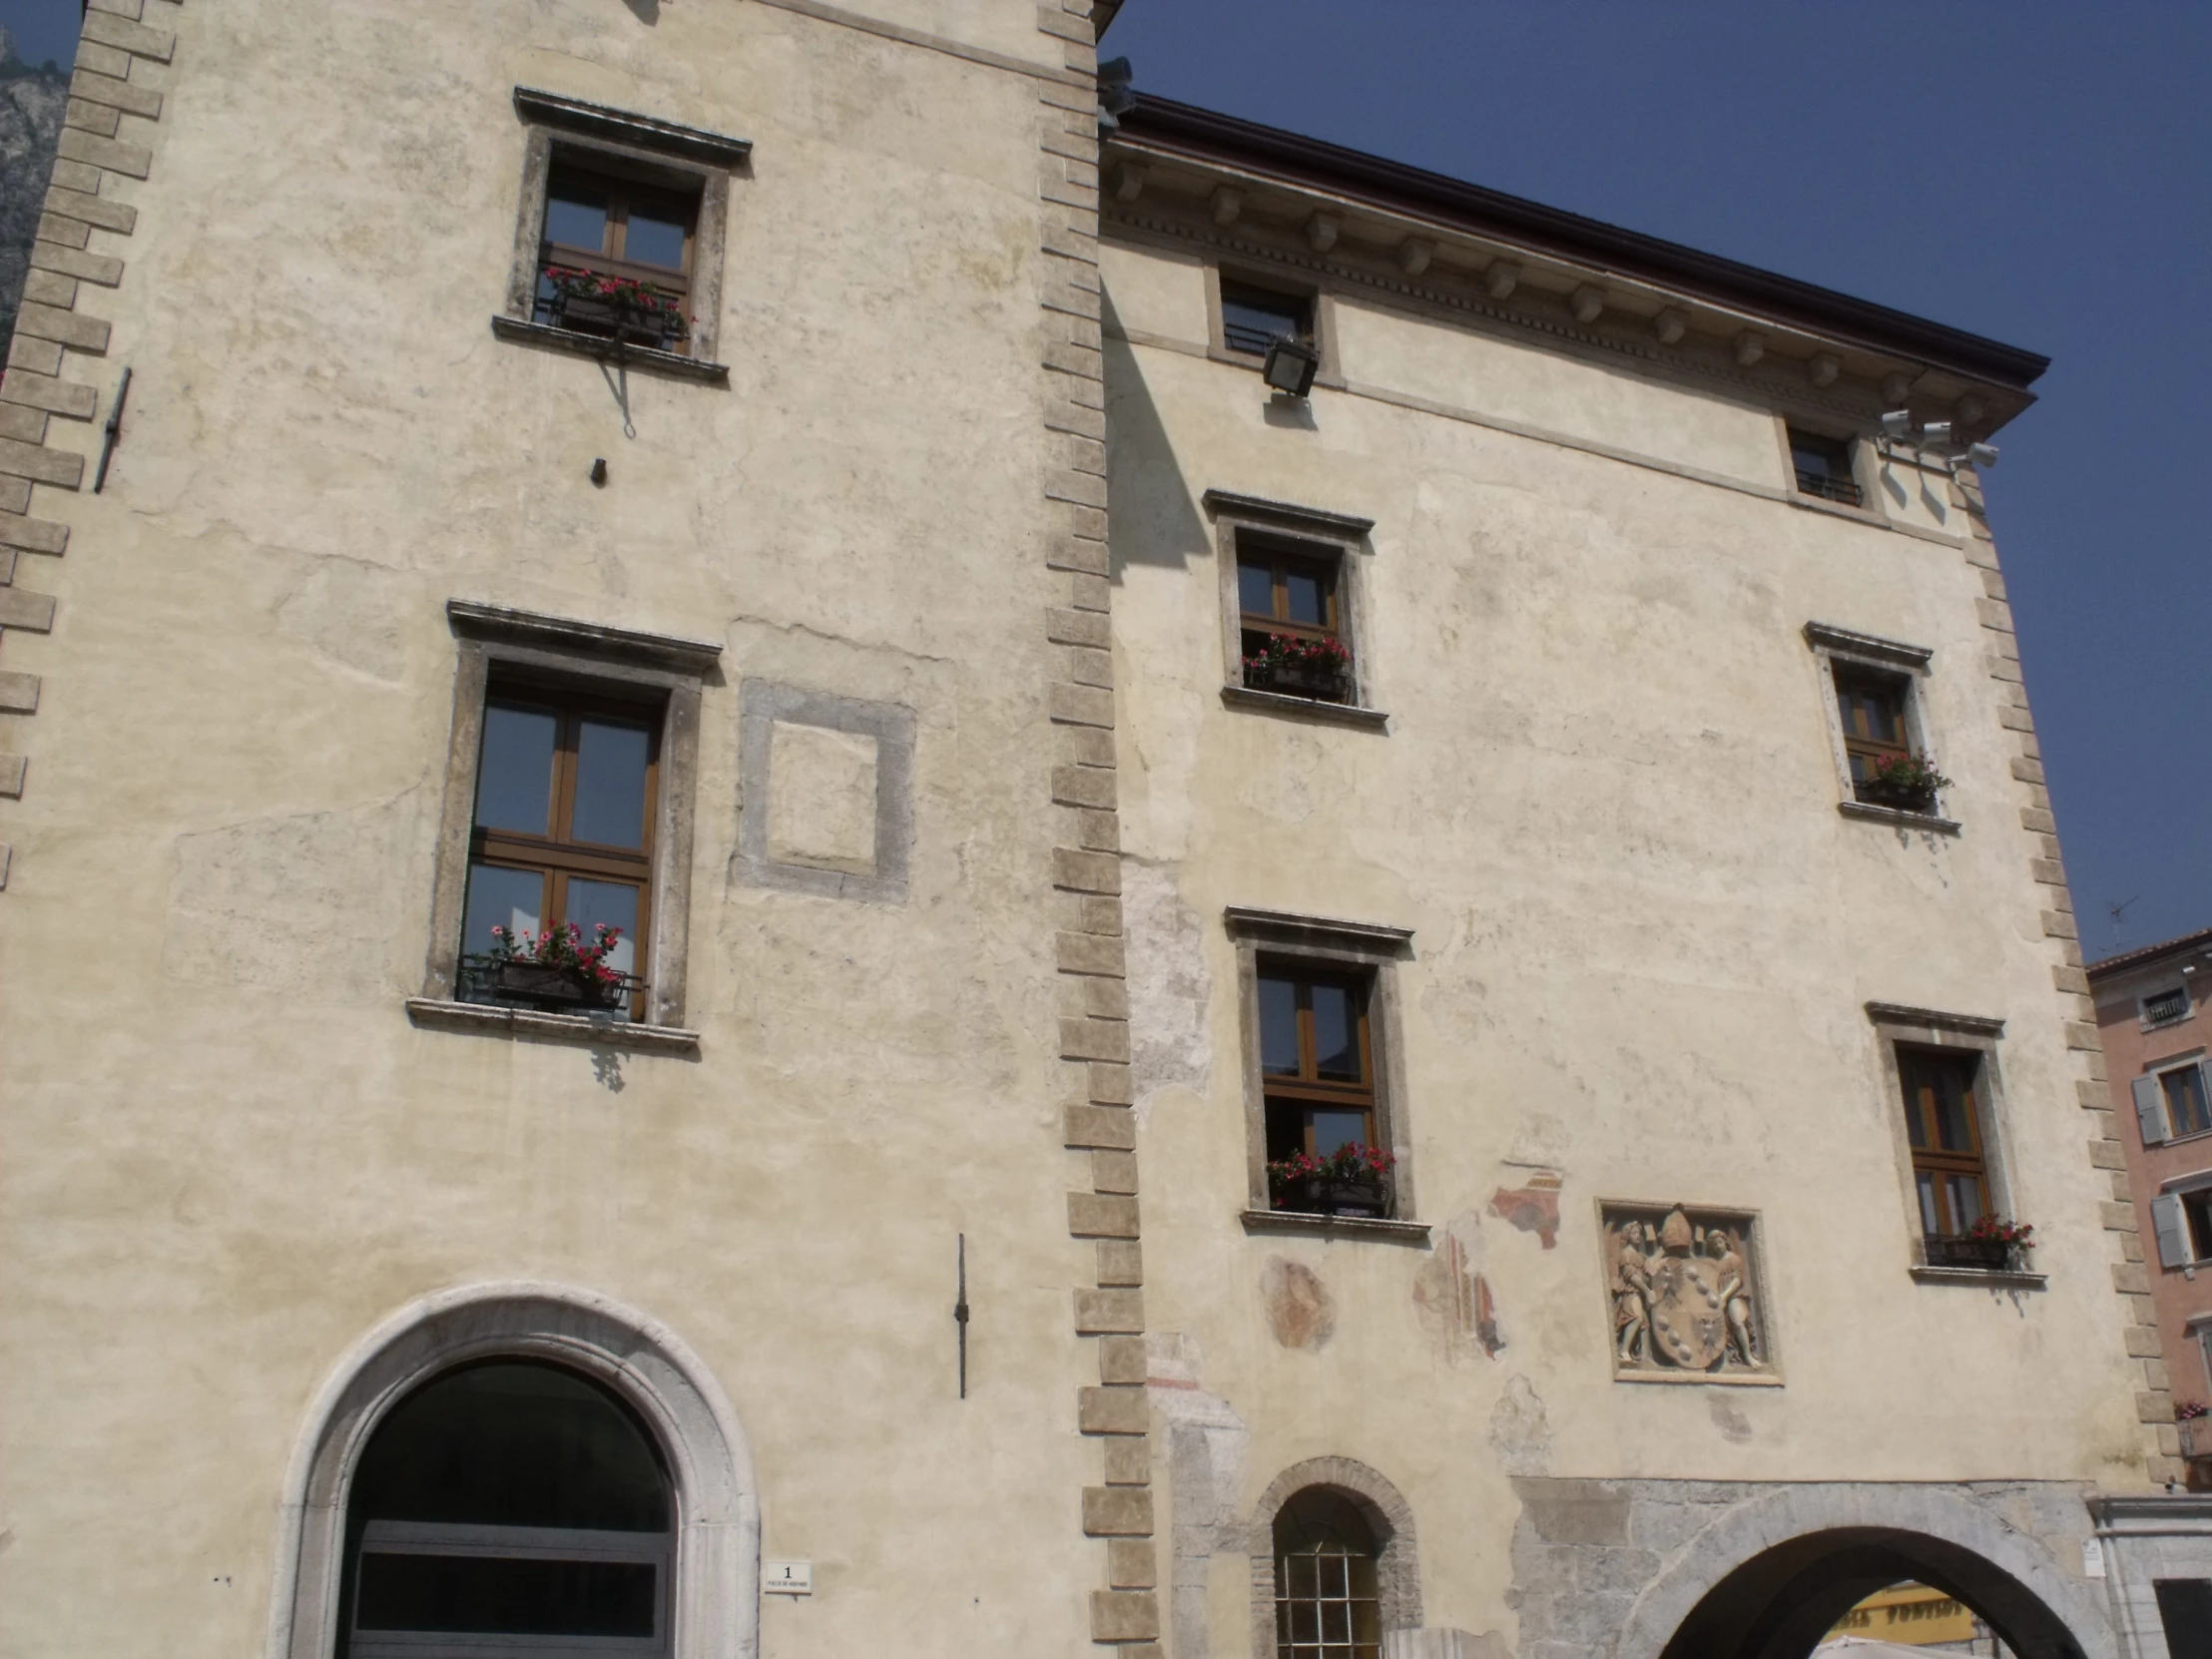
[[2038, 170]]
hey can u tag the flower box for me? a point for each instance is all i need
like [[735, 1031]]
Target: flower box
[[1905, 798], [2196, 1438], [586, 314], [1984, 1255], [1319, 682], [1320, 1195], [555, 971]]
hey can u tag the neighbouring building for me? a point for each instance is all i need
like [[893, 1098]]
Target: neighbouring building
[[1334, 929], [2156, 1032]]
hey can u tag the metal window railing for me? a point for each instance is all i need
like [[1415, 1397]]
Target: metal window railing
[[1828, 488]]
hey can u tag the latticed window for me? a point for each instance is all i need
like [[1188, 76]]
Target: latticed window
[[1325, 1600]]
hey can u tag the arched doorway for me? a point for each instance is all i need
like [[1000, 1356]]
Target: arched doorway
[[1780, 1602], [638, 1379], [505, 1500]]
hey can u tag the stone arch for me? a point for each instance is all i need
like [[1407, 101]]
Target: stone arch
[[717, 1525], [1389, 1516], [1747, 1583]]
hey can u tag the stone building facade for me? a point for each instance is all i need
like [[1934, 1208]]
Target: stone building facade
[[759, 474]]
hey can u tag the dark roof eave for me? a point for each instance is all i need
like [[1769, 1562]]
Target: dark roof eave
[[2199, 941], [1246, 143]]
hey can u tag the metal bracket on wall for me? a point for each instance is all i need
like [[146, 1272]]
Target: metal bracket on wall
[[961, 1315], [113, 433]]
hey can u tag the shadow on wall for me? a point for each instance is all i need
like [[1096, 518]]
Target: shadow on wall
[[1153, 516], [648, 11]]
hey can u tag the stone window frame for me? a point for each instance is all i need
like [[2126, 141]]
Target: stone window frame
[[1389, 1516], [1894, 1024], [715, 1585], [1320, 296], [1865, 468], [1895, 660], [1342, 538], [654, 150], [590, 655], [763, 704], [1373, 952]]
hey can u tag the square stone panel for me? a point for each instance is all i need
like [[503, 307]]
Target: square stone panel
[[822, 798], [828, 802]]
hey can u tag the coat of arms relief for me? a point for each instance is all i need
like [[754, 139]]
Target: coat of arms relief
[[1686, 1294]]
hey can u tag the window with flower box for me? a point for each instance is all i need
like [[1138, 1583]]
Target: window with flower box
[[616, 258], [619, 240], [1324, 1105], [560, 875], [1877, 725], [568, 796], [1292, 621]]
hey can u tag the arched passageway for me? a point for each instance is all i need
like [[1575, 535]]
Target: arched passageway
[[1780, 1602]]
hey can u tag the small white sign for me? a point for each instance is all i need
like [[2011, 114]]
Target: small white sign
[[2092, 1557], [788, 1578]]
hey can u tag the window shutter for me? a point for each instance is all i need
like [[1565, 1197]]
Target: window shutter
[[2150, 1111], [2172, 1228]]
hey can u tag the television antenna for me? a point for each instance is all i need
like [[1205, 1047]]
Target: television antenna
[[2115, 911]]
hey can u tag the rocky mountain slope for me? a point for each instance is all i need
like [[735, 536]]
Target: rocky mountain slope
[[31, 101]]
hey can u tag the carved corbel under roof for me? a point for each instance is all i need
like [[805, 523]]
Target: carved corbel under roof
[[1434, 243]]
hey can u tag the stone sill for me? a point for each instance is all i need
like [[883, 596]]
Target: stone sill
[[1821, 504], [1897, 815], [1335, 1227], [1702, 1378], [600, 351], [1997, 1279], [1304, 708], [478, 1020]]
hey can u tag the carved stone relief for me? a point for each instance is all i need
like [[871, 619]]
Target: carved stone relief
[[1687, 1295]]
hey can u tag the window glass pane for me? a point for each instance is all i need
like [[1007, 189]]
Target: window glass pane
[[610, 783], [512, 1444], [612, 903], [1917, 1094], [1335, 1033], [650, 241], [576, 217], [1932, 1220], [1333, 1129], [2185, 1101], [1256, 589], [514, 779], [1953, 1108], [1335, 1621], [506, 1596], [510, 898], [1304, 594], [1966, 1207], [1279, 1027], [1251, 321]]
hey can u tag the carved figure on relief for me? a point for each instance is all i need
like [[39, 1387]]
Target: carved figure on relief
[[1684, 1294]]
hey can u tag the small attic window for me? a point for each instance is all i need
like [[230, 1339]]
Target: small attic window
[[1254, 318], [1823, 467]]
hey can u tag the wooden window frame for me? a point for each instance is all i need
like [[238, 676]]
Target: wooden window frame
[[559, 1543], [1307, 1087], [1930, 1159], [622, 667], [1843, 654], [1899, 1027], [1326, 948], [1336, 541], [557, 857], [1281, 555], [644, 153], [626, 191]]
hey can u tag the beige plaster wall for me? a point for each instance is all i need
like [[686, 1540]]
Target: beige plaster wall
[[228, 1153], [1643, 934]]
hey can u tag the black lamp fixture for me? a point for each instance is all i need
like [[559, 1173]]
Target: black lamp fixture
[[1289, 366]]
